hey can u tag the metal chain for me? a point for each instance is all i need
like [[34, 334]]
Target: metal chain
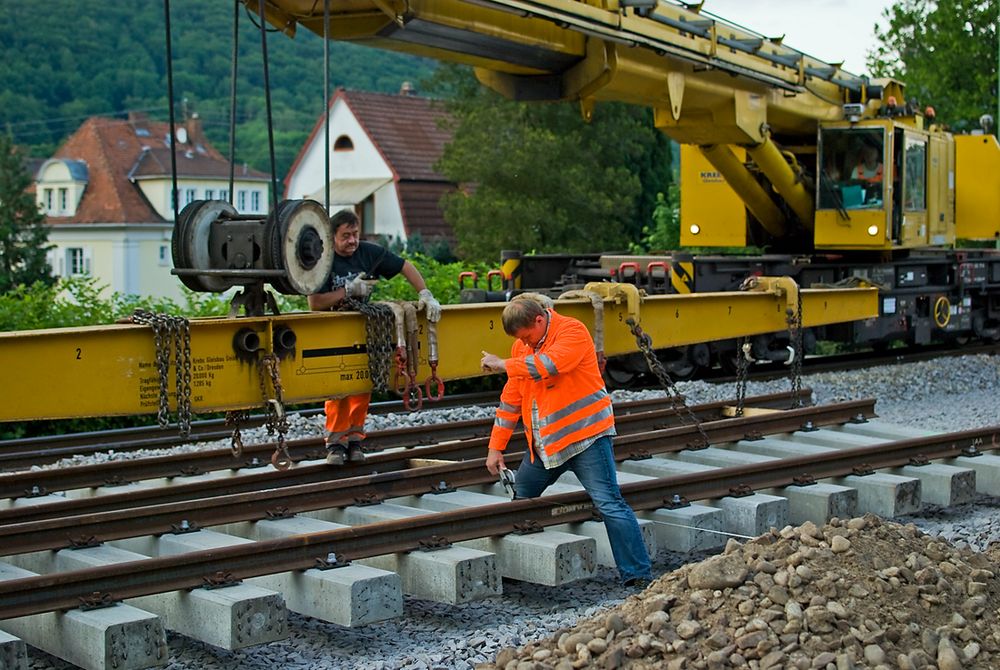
[[742, 372], [171, 332], [236, 418], [380, 331], [795, 335], [276, 421], [645, 343]]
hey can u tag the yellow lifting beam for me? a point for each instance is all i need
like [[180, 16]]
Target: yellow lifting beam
[[112, 370]]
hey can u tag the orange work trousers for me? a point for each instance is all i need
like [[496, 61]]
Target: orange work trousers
[[345, 418]]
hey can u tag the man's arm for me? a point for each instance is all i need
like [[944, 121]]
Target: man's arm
[[413, 276], [320, 302]]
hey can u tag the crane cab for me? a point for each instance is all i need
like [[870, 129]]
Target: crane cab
[[884, 184]]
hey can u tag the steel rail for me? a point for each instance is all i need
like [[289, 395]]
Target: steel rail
[[62, 531], [37, 482], [28, 451], [45, 593]]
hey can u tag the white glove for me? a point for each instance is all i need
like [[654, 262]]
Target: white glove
[[357, 288], [431, 306]]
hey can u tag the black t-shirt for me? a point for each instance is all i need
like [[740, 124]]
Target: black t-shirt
[[371, 259]]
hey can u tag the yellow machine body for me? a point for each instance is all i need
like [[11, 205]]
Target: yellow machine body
[[112, 370], [977, 199]]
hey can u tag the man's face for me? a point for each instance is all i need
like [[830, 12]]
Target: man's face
[[346, 239], [532, 335]]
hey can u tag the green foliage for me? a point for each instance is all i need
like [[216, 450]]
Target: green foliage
[[78, 301], [665, 233], [66, 60], [441, 279], [540, 177], [946, 53], [23, 236]]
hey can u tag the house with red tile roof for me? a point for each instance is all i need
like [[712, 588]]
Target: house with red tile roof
[[107, 197], [382, 153]]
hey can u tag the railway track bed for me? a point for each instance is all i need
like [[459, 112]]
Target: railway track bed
[[398, 546]]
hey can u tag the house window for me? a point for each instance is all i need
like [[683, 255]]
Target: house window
[[343, 143], [77, 262], [224, 195], [63, 199], [164, 255], [209, 194], [48, 199], [254, 201], [189, 196], [241, 200]]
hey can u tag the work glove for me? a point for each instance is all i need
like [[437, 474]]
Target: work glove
[[431, 306], [357, 288]]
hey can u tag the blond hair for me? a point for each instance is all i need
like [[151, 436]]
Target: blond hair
[[522, 310]]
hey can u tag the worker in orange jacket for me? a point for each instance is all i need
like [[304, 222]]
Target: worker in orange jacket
[[554, 386]]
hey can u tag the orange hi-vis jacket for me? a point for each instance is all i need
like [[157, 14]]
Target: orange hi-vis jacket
[[563, 378]]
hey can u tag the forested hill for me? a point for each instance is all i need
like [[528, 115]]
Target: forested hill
[[66, 60]]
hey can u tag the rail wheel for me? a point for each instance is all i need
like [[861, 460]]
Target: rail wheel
[[300, 242]]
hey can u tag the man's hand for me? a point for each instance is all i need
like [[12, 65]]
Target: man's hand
[[494, 462], [492, 363], [431, 306], [357, 288]]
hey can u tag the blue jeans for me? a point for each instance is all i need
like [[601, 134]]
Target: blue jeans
[[595, 468]]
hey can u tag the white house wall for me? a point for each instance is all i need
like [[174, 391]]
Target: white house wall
[[363, 162], [157, 192], [388, 213]]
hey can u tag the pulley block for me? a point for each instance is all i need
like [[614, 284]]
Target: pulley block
[[215, 248]]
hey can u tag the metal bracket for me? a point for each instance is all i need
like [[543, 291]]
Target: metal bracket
[[740, 491], [676, 501], [183, 527], [863, 470], [84, 542], [434, 543], [805, 479], [619, 293], [219, 580], [367, 499], [640, 455], [527, 527], [97, 600], [919, 460], [35, 491], [753, 435], [331, 561], [279, 513], [441, 487]]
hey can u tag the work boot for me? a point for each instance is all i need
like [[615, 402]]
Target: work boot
[[355, 454], [336, 454]]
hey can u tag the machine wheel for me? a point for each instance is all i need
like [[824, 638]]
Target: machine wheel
[[189, 245], [618, 376], [679, 363], [300, 241]]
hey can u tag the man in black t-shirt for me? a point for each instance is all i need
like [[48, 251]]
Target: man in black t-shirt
[[353, 261]]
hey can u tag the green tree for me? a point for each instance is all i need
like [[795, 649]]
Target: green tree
[[539, 178], [946, 53], [23, 236]]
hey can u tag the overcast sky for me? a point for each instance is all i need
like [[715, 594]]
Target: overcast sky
[[831, 30]]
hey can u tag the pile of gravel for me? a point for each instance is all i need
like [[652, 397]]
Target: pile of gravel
[[858, 593]]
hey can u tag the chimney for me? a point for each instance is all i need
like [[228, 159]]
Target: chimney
[[195, 135], [407, 89]]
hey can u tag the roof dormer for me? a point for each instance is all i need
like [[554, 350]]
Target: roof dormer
[[59, 186]]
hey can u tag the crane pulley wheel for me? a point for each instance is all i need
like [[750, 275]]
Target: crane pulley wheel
[[299, 241], [190, 243]]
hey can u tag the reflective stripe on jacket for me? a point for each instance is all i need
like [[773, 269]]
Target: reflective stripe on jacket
[[563, 378]]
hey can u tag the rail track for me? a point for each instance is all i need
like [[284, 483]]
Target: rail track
[[26, 452], [457, 464]]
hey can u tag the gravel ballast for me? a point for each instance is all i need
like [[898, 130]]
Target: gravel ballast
[[943, 395]]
